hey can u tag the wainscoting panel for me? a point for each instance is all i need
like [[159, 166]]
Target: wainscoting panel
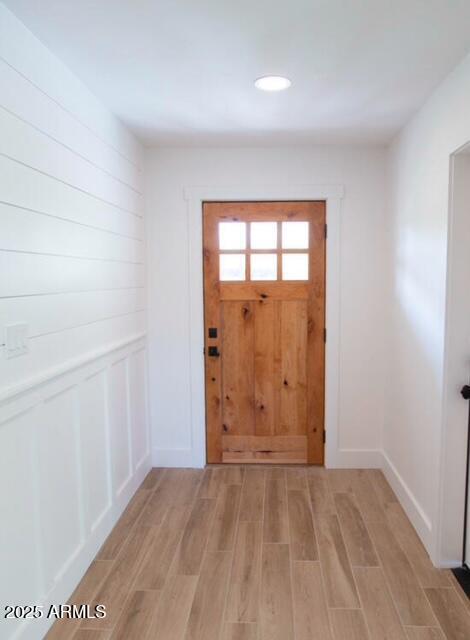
[[138, 397], [119, 420], [96, 454], [59, 482], [74, 447], [19, 555]]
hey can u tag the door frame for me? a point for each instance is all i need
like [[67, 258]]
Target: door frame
[[445, 539], [195, 197]]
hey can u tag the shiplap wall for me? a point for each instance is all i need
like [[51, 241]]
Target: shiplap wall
[[74, 441]]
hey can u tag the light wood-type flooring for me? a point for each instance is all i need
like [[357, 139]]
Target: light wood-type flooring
[[278, 553]]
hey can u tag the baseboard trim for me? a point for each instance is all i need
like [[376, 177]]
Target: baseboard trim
[[409, 502], [184, 458], [355, 459], [450, 564]]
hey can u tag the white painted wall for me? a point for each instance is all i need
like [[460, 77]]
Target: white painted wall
[[424, 448], [74, 441], [362, 172]]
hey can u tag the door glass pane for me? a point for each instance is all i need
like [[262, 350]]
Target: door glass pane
[[232, 235], [263, 266], [232, 266], [295, 235], [263, 235], [295, 266]]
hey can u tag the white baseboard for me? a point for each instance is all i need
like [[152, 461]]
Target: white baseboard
[[354, 459], [409, 502], [184, 458], [450, 564]]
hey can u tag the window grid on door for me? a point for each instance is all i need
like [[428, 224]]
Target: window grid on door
[[287, 260]]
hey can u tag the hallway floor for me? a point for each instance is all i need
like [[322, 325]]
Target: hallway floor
[[233, 553]]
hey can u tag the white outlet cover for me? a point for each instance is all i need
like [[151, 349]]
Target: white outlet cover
[[16, 339]]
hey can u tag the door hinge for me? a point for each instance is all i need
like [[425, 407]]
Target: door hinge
[[326, 231], [324, 436], [324, 334]]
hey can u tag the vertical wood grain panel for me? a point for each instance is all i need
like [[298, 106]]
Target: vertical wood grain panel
[[266, 366], [212, 318], [316, 341], [293, 374], [238, 367]]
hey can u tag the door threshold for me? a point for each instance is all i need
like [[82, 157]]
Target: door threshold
[[462, 575]]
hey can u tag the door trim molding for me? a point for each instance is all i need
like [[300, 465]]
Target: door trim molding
[[195, 196]]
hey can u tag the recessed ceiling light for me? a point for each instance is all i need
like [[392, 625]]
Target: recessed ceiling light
[[272, 83]]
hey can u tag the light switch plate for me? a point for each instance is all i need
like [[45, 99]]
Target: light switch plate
[[16, 339]]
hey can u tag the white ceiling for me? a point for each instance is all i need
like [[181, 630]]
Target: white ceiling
[[181, 72]]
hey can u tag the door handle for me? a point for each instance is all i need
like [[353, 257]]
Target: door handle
[[465, 391], [213, 352]]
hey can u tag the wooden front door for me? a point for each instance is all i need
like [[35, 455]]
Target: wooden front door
[[264, 296]]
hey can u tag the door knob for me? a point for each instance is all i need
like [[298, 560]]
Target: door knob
[[213, 352], [465, 391]]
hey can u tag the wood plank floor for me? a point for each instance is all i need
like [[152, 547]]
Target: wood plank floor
[[278, 553]]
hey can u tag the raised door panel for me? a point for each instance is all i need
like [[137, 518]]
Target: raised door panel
[[293, 374], [267, 366], [237, 367]]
